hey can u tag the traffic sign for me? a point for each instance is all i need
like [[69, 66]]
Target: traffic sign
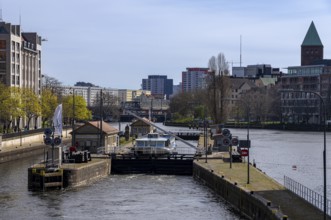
[[244, 152]]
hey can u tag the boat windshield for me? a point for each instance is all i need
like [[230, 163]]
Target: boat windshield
[[160, 144], [140, 143]]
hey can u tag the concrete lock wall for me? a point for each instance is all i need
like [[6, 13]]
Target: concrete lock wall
[[247, 203], [27, 139], [20, 153], [87, 173]]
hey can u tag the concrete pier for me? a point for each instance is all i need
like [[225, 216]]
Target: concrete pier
[[68, 175], [263, 198]]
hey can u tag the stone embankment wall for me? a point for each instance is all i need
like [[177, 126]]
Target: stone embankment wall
[[247, 203], [87, 173], [27, 140], [18, 147]]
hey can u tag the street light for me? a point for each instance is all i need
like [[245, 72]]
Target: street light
[[73, 117], [324, 134]]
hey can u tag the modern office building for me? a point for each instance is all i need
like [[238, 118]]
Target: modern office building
[[159, 85], [256, 71], [194, 78]]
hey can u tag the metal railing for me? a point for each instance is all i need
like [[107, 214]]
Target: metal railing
[[307, 194]]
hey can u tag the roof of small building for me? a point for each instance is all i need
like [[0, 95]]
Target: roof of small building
[[106, 128], [237, 83], [145, 121]]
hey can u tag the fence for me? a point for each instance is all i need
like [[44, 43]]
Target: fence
[[307, 194]]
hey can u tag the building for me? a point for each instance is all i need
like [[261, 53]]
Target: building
[[256, 71], [194, 78], [159, 85], [20, 61], [313, 77], [311, 47], [88, 137]]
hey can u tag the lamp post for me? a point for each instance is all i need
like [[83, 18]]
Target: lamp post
[[101, 117], [73, 117], [324, 144]]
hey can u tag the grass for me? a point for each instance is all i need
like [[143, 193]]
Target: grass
[[238, 173]]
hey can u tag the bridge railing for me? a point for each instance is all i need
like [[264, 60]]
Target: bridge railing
[[307, 194]]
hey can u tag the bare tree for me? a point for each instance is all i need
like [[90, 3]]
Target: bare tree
[[52, 84], [218, 87]]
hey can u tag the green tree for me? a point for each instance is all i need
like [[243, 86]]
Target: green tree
[[81, 111], [30, 104], [48, 105], [11, 107]]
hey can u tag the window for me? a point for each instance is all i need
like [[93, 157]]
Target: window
[[2, 44], [2, 67], [2, 55], [13, 68], [17, 46], [13, 79], [13, 45]]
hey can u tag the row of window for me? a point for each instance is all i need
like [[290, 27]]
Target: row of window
[[15, 46]]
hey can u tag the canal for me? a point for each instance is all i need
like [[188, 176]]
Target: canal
[[277, 153]]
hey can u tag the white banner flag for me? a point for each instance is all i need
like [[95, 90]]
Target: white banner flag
[[57, 120]]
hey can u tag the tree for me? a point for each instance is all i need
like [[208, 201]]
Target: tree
[[188, 104], [52, 84], [218, 87], [30, 104], [81, 111], [11, 106], [110, 107], [48, 105]]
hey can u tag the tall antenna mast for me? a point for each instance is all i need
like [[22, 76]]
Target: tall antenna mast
[[240, 50], [20, 18]]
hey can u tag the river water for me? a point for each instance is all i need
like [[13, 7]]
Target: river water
[[115, 197], [159, 196]]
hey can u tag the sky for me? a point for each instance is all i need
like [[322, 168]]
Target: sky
[[117, 43]]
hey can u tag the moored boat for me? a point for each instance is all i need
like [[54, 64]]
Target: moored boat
[[155, 144]]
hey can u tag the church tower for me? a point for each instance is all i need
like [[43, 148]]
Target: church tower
[[311, 47]]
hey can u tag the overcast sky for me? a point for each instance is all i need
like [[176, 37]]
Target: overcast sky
[[117, 43]]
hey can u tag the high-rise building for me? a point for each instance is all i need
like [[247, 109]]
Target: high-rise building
[[20, 63], [194, 78], [159, 85], [20, 57]]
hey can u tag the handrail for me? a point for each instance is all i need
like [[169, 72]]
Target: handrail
[[307, 194]]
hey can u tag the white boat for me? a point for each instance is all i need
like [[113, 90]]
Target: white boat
[[156, 144]]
